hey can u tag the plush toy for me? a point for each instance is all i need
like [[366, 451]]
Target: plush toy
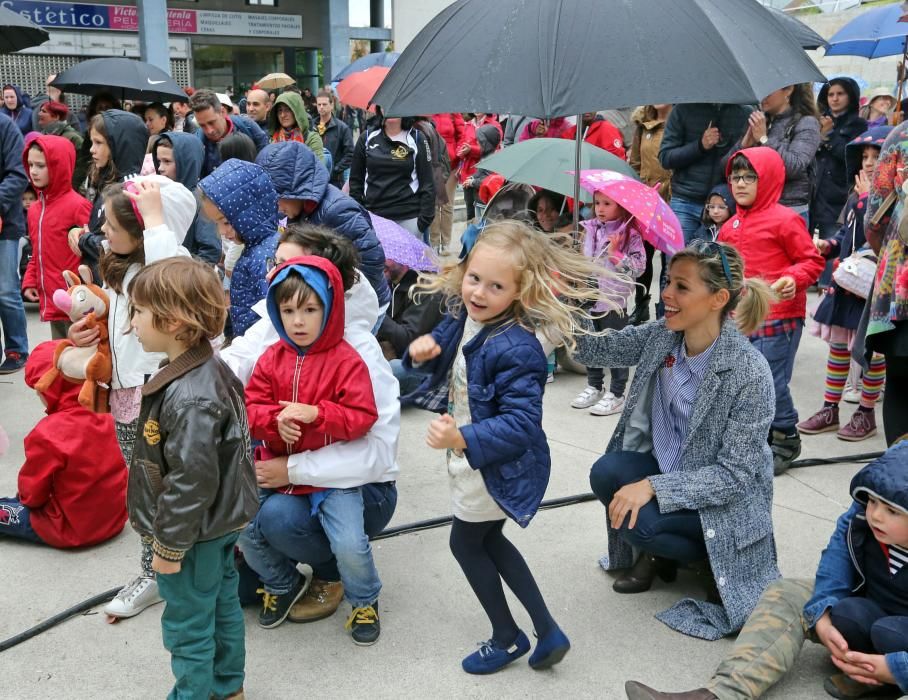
[[90, 365]]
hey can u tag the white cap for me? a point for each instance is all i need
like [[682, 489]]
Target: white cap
[[224, 100]]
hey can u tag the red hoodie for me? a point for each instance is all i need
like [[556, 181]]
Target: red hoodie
[[330, 375], [468, 162], [772, 239], [58, 209], [450, 127], [74, 478], [601, 133]]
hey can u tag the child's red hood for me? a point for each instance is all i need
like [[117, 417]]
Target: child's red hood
[[62, 394], [770, 170], [61, 161]]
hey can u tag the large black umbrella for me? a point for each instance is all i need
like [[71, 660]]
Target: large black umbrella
[[550, 58], [806, 37], [17, 33], [125, 78]]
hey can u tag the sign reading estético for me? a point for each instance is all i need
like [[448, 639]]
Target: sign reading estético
[[69, 15]]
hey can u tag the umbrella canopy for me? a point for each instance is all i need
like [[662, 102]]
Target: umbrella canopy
[[805, 36], [546, 162], [126, 78], [872, 34], [370, 60], [551, 58], [656, 221], [275, 81], [401, 246], [17, 33], [359, 88]]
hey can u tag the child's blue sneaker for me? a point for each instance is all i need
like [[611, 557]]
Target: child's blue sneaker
[[550, 649], [491, 658]]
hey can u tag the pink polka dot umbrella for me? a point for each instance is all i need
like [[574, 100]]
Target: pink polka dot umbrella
[[656, 222]]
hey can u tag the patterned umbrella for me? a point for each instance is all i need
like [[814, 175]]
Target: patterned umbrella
[[655, 220], [401, 246]]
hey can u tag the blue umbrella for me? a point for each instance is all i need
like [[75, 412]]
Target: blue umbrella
[[872, 34], [370, 60]]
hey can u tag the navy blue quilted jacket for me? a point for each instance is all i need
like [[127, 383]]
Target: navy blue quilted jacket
[[506, 374], [244, 194], [297, 173]]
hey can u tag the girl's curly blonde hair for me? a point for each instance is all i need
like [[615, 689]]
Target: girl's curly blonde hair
[[557, 284]]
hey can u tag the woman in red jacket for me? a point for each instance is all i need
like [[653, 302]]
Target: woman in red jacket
[[469, 153], [50, 161], [72, 487]]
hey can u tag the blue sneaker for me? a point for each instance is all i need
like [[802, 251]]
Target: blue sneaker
[[491, 658], [550, 649]]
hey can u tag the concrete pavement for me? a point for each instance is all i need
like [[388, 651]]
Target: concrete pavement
[[430, 619]]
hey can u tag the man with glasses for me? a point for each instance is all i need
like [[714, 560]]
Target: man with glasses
[[696, 139]]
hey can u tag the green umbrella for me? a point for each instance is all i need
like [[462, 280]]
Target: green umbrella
[[548, 162]]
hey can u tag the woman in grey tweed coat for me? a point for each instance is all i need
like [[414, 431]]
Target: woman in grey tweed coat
[[688, 472]]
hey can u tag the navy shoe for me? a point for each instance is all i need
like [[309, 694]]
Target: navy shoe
[[13, 363], [491, 658], [550, 649]]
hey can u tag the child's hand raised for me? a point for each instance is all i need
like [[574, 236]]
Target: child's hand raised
[[444, 435], [147, 196], [861, 183], [424, 348]]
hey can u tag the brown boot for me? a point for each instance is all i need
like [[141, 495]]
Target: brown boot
[[319, 602], [640, 577], [638, 691], [842, 686]]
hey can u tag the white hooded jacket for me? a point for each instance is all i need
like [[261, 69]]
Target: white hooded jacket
[[370, 459], [131, 364]]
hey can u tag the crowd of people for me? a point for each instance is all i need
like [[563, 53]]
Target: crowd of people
[[260, 342]]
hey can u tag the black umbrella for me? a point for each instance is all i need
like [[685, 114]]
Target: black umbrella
[[806, 37], [125, 78], [550, 58], [17, 33]]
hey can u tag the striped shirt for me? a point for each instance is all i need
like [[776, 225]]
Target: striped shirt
[[898, 557], [677, 384]]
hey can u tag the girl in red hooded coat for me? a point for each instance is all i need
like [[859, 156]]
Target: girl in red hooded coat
[[307, 391], [50, 161], [72, 487]]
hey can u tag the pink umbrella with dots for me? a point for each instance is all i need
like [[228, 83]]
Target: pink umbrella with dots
[[656, 221]]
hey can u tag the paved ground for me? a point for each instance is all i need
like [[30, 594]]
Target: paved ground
[[430, 619]]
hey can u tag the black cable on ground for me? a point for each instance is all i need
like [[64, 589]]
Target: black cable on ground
[[407, 528]]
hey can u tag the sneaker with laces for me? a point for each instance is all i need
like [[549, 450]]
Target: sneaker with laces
[[490, 657], [321, 600], [13, 363], [608, 405], [861, 426], [851, 395], [364, 625], [276, 607], [588, 397], [134, 597], [825, 420]]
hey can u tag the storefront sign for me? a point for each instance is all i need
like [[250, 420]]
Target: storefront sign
[[68, 15]]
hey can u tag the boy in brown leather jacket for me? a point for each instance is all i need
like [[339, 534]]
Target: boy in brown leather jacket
[[192, 482]]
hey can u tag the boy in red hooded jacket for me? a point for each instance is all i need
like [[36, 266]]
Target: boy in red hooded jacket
[[50, 161], [72, 487], [307, 391], [775, 245]]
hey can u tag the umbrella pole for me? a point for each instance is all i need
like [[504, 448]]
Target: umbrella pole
[[578, 142]]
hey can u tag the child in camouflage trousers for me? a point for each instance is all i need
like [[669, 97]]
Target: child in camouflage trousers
[[857, 606]]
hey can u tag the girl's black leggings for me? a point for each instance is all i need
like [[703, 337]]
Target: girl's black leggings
[[486, 557], [895, 400]]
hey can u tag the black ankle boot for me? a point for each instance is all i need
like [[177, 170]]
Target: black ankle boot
[[640, 577], [641, 310]]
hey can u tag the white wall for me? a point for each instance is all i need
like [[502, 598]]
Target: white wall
[[412, 15]]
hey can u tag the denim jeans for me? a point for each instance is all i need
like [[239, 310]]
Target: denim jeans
[[409, 379], [334, 542], [779, 351], [12, 312], [15, 520], [677, 535], [868, 628], [690, 215]]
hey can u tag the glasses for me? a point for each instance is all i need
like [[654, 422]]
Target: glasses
[[716, 207], [714, 248], [270, 264], [747, 179]]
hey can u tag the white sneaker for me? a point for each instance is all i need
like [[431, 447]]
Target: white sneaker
[[851, 395], [134, 597], [588, 397], [550, 378], [608, 404]]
